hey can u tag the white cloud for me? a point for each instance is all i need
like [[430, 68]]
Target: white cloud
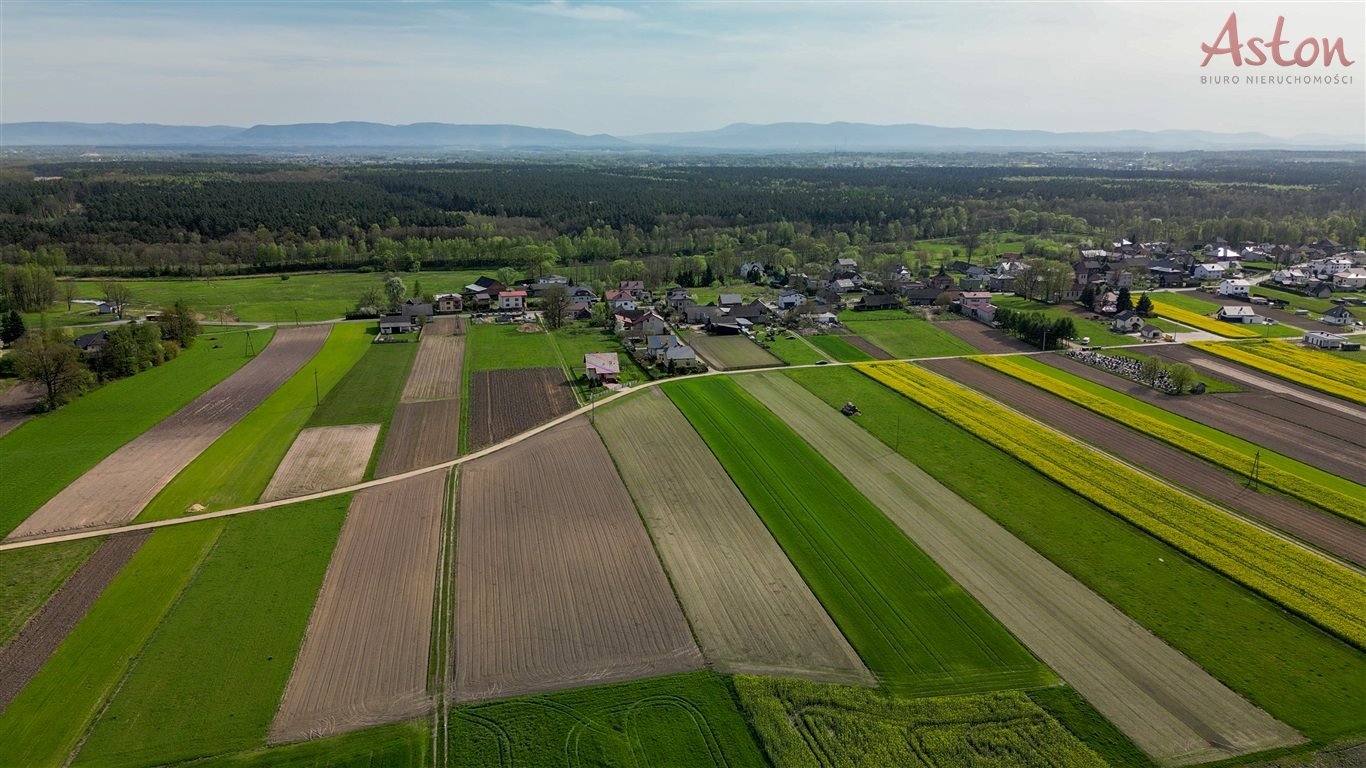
[[566, 10]]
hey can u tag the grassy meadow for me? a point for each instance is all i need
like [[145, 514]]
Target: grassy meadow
[[495, 346], [839, 349], [904, 336]]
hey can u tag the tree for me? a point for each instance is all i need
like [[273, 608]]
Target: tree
[[1145, 305], [602, 316], [1088, 298], [179, 324], [118, 294], [69, 293], [1180, 376], [553, 305], [12, 329], [47, 358], [1149, 369], [507, 276], [1125, 302], [369, 300], [394, 292]]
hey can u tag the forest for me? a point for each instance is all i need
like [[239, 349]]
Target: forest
[[222, 216]]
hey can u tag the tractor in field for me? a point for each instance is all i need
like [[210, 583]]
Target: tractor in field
[[850, 409]]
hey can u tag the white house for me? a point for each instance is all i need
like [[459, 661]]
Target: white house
[[1214, 271], [512, 300], [1239, 315], [1127, 321], [1325, 268], [1353, 279], [790, 300], [1236, 287], [1324, 340], [749, 267], [1338, 315]]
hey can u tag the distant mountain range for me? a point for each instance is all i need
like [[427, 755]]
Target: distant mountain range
[[738, 137]]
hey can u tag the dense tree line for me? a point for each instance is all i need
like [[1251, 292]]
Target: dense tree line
[[149, 218], [1036, 328]]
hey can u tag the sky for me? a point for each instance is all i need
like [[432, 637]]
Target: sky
[[631, 68]]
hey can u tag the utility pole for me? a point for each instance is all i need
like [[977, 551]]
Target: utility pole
[[250, 350], [317, 399], [1255, 477]]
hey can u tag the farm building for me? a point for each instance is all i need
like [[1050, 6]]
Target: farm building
[[1351, 280], [730, 300], [1238, 315], [1324, 340], [699, 314], [397, 324], [416, 308], [106, 308], [1151, 333], [1338, 315], [449, 303], [871, 302], [512, 300], [1236, 287], [602, 367], [790, 300], [90, 343], [1127, 321], [921, 297]]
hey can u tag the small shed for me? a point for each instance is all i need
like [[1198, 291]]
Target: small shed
[[1151, 333]]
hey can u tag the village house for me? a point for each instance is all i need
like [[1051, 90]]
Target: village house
[[552, 280], [633, 288], [845, 285], [1338, 315], [450, 303], [620, 300], [91, 343], [1317, 289], [850, 265], [415, 308], [397, 324], [788, 300], [920, 297], [602, 367], [1127, 321], [1167, 274], [1213, 271], [1238, 314], [640, 323], [699, 314], [106, 308], [1353, 279], [1237, 288], [512, 300], [755, 312], [977, 305], [730, 300], [578, 310], [580, 293], [943, 281], [677, 298]]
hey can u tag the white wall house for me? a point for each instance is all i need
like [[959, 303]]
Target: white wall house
[[1238, 288]]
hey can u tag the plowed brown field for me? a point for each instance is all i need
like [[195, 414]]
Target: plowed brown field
[[1164, 702], [16, 405], [503, 403], [115, 490], [440, 361], [364, 656], [420, 434], [986, 339], [749, 607], [30, 649], [557, 583], [873, 350], [323, 458], [1322, 529]]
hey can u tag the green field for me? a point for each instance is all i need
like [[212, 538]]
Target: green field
[[1313, 475], [47, 719], [211, 678], [917, 630], [494, 346], [572, 342], [1296, 301], [28, 577], [810, 724], [48, 452], [1078, 716], [388, 746], [683, 721], [839, 349], [1098, 330], [1213, 385], [368, 393], [904, 336], [1244, 640], [236, 469], [794, 350], [269, 299]]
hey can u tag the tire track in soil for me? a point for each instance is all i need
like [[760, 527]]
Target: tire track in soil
[[1320, 529], [41, 636]]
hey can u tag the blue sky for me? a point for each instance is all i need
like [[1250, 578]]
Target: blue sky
[[628, 68]]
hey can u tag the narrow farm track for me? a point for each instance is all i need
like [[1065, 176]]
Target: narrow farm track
[[1320, 529], [1164, 702], [557, 584], [748, 606], [116, 490], [1293, 432], [21, 659]]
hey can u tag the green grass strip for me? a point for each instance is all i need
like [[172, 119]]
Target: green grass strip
[[917, 630], [1326, 373], [793, 350], [28, 577], [1323, 591], [368, 392], [1308, 484], [1246, 641], [236, 469], [211, 678], [48, 452], [903, 336], [498, 346], [388, 746], [46, 720], [840, 349]]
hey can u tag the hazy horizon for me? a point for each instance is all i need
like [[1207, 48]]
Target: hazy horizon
[[630, 69]]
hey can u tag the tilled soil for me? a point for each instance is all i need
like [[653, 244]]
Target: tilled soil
[[988, 340], [1296, 430], [40, 637], [1321, 529], [1164, 702], [438, 368], [506, 402], [323, 458], [115, 490], [876, 352], [420, 435], [17, 404], [557, 583]]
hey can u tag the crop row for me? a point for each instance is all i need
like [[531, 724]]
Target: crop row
[[1350, 507], [1316, 370], [1204, 323], [1320, 590]]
